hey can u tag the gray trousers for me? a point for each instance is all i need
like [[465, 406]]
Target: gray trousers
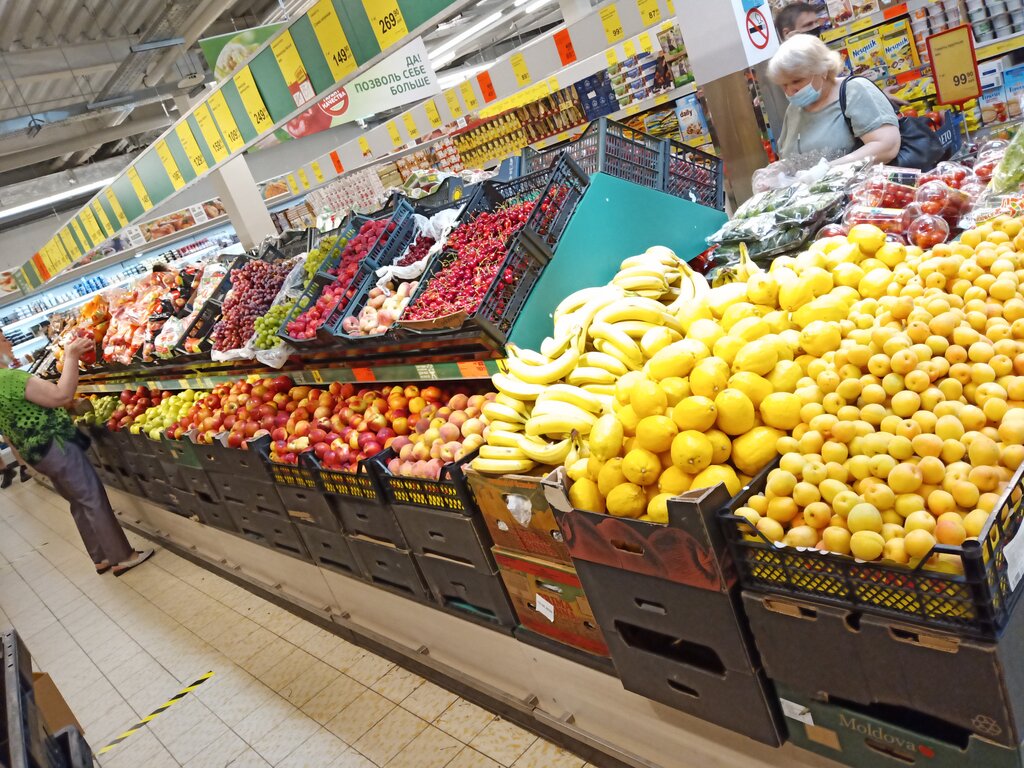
[[76, 480]]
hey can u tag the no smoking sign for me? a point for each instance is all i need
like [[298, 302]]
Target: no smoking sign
[[757, 29]]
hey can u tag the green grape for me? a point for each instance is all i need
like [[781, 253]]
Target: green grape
[[266, 327], [317, 256]]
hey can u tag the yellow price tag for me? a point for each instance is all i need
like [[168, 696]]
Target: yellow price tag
[[364, 147], [629, 48], [316, 376], [954, 66], [317, 172], [671, 7], [294, 71], [410, 125], [660, 99], [387, 21], [645, 43], [252, 100], [650, 12], [211, 135], [432, 114], [396, 137], [454, 105], [69, 243], [115, 206], [611, 57], [331, 36], [87, 244], [226, 121], [553, 85], [522, 72], [167, 161], [632, 109], [469, 96], [101, 217], [303, 178], [864, 23], [612, 24], [191, 147], [292, 184], [92, 227], [140, 189]]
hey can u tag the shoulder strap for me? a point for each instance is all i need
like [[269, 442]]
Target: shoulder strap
[[842, 104]]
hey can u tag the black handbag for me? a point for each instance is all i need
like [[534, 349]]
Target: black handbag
[[919, 145]]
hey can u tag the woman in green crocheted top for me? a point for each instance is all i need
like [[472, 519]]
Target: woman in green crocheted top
[[34, 419]]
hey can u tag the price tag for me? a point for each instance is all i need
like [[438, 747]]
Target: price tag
[[191, 147], [69, 243], [671, 7], [167, 161], [211, 135], [544, 607], [632, 109], [396, 137], [316, 376], [115, 206], [92, 227], [294, 71], [410, 125], [318, 173], [954, 66], [469, 96], [564, 46], [329, 33], [650, 12], [303, 178], [336, 161], [225, 121], [796, 711], [364, 147], [660, 99], [432, 114], [645, 43], [486, 87], [611, 57], [553, 85], [101, 217], [80, 234], [140, 189], [454, 106], [293, 185], [612, 24], [363, 374], [522, 72], [861, 24], [426, 371], [475, 369], [252, 100], [629, 48], [386, 18]]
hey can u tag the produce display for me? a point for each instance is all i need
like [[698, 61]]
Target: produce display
[[382, 310], [267, 326], [440, 435], [102, 409], [163, 414], [317, 256], [254, 287], [134, 403]]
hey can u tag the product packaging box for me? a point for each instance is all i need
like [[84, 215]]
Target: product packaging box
[[898, 47], [865, 52], [1013, 85]]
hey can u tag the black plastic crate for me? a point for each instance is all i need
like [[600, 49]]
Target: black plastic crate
[[385, 565], [450, 190], [196, 338], [301, 475], [468, 590], [216, 457], [141, 445], [25, 741], [73, 746], [452, 535], [269, 530], [330, 550], [255, 493], [694, 175], [976, 603], [357, 500], [218, 514], [308, 507], [451, 492]]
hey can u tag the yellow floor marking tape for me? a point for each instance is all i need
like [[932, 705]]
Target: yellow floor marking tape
[[152, 715]]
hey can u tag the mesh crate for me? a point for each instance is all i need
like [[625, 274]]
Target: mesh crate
[[451, 492], [196, 338], [301, 475], [451, 190], [975, 603], [566, 186], [694, 175], [361, 484]]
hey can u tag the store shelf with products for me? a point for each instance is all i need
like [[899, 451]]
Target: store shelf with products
[[1000, 47]]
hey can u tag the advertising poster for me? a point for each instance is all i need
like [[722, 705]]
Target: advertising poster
[[226, 53]]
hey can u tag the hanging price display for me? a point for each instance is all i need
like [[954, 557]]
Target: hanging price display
[[226, 121], [364, 147], [293, 185], [564, 46], [612, 24], [80, 234], [469, 96], [454, 105], [552, 84], [167, 161], [191, 146], [288, 59], [303, 178], [140, 189], [252, 100], [671, 7], [432, 114], [115, 206], [486, 87], [629, 48], [522, 72], [101, 217], [336, 161], [650, 12], [645, 43], [386, 18], [954, 65], [410, 125], [318, 173], [396, 137], [210, 133], [611, 57], [92, 227], [69, 243], [331, 36]]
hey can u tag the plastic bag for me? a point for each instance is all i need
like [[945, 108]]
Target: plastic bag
[[438, 226], [745, 230]]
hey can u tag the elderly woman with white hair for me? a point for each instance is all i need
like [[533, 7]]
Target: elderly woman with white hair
[[809, 73]]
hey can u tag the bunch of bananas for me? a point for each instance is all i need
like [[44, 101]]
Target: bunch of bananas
[[548, 399], [737, 273]]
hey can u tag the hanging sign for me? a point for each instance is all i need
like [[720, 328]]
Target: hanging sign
[[563, 44], [115, 206], [329, 33], [140, 189], [410, 125], [101, 217], [254, 106], [612, 24], [167, 161], [303, 178], [522, 72], [954, 66], [650, 12], [469, 96], [317, 172], [432, 114], [294, 71], [454, 105], [396, 137], [191, 147], [386, 19], [226, 121]]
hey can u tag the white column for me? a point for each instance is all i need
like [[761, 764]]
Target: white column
[[237, 188]]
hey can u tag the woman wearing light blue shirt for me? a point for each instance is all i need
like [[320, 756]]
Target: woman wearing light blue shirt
[[809, 74]]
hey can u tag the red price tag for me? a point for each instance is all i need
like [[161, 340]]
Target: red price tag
[[364, 374], [475, 369], [486, 87], [337, 162], [896, 10], [563, 43]]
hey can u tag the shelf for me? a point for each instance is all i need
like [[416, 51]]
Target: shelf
[[1000, 47], [30, 344], [873, 20]]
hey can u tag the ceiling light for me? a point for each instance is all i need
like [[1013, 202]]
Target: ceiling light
[[537, 5], [153, 45], [465, 35], [43, 202], [445, 58]]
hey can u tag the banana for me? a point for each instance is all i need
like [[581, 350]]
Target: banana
[[495, 411], [659, 272], [577, 450], [567, 393], [586, 376], [503, 439], [488, 451], [579, 321], [630, 350], [635, 329], [633, 308], [746, 267], [501, 466], [610, 349], [512, 402], [601, 390], [552, 348], [556, 424], [648, 259], [601, 360], [527, 356], [643, 283], [505, 426], [545, 374], [513, 387], [575, 300], [568, 410], [543, 452]]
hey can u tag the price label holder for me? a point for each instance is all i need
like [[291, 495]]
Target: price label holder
[[363, 374], [336, 161], [629, 48], [612, 24], [469, 96], [191, 147], [226, 121], [211, 135], [410, 125], [364, 147], [650, 12], [611, 57], [396, 137], [522, 72], [318, 173], [645, 43], [167, 161], [432, 114], [954, 66], [329, 33], [292, 184], [564, 46], [303, 178], [254, 106], [486, 87], [474, 369], [290, 63], [101, 217], [388, 24], [454, 105]]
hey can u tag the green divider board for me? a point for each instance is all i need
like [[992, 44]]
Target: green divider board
[[312, 54], [89, 244], [234, 100], [193, 125], [154, 177], [416, 12], [358, 29], [615, 219], [106, 234], [21, 279], [78, 242], [125, 192], [272, 86], [180, 156]]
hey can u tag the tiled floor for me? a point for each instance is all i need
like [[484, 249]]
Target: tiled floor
[[285, 692]]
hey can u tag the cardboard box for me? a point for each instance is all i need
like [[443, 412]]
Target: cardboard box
[[528, 526], [872, 661], [51, 704], [548, 599], [690, 549], [865, 738]]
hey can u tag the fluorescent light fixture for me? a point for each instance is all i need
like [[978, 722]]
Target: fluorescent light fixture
[[153, 45], [444, 58], [43, 202], [465, 35], [537, 5], [463, 74]]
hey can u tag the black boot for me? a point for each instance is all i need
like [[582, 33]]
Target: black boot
[[8, 477], [24, 475]]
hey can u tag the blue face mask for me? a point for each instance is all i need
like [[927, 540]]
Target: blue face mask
[[805, 96]]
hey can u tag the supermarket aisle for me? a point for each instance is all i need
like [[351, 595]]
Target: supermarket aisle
[[285, 692]]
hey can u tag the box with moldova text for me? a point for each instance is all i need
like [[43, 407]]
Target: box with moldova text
[[876, 737], [505, 237], [894, 664], [971, 591]]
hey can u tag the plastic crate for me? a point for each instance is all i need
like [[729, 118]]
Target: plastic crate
[[450, 190], [301, 475], [361, 484], [556, 205], [976, 603], [25, 741], [694, 175], [200, 329], [450, 493]]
